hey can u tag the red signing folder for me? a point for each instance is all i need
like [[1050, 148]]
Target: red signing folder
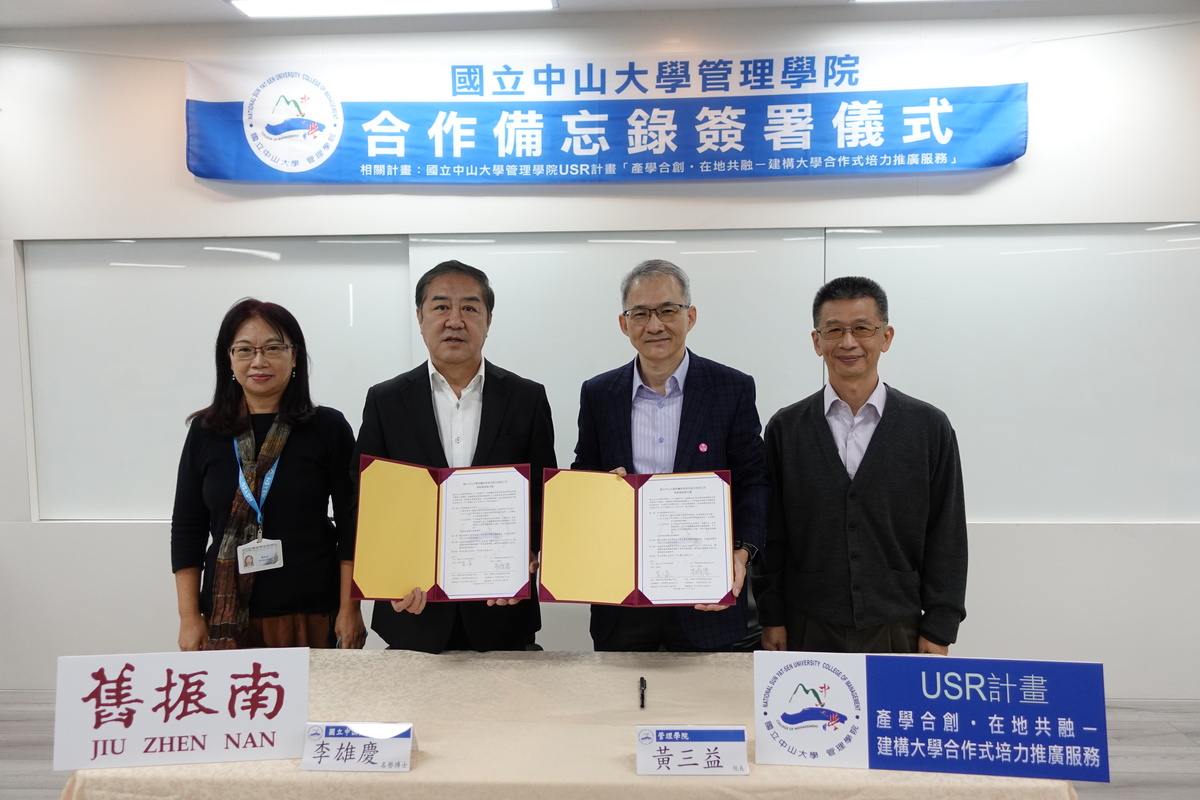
[[459, 534], [637, 540]]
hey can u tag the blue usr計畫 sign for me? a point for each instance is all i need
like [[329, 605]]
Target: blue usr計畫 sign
[[1033, 719]]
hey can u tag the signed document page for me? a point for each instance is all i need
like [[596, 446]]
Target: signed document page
[[685, 547], [484, 533]]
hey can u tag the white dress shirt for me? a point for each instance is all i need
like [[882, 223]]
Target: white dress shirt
[[852, 432], [457, 417], [654, 425]]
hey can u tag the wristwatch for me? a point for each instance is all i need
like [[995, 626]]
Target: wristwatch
[[750, 549]]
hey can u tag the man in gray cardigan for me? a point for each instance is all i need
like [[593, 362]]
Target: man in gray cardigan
[[866, 532]]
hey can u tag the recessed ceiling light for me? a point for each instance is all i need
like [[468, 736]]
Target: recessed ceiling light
[[296, 9]]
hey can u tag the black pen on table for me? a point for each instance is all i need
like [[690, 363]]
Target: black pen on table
[[641, 692]]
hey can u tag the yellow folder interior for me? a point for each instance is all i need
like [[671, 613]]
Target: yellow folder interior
[[397, 530], [587, 537]]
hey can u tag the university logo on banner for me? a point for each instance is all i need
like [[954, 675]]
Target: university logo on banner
[[529, 119], [292, 122], [1032, 719]]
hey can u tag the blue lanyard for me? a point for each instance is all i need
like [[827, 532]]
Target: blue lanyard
[[245, 487]]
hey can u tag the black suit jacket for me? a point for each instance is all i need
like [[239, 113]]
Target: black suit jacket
[[515, 428], [718, 429]]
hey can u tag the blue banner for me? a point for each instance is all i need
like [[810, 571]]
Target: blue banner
[[1028, 719], [1040, 719], [866, 113]]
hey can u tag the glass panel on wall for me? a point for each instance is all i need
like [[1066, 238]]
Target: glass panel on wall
[[1041, 344], [121, 339], [1059, 354], [558, 298]]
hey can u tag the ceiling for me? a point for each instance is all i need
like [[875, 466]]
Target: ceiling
[[78, 13], [88, 13]]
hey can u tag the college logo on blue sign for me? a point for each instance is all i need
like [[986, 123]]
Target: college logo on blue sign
[[812, 711], [1032, 719]]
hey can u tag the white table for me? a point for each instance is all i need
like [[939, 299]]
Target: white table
[[535, 725]]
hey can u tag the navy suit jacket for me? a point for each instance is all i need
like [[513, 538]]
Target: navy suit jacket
[[718, 412], [515, 428]]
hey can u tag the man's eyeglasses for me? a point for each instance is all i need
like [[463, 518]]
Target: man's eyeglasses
[[243, 352], [666, 313], [858, 331]]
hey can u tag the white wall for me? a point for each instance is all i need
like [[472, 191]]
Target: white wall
[[91, 146]]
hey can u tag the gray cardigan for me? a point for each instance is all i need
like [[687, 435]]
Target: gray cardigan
[[890, 544]]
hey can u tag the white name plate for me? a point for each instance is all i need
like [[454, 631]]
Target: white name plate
[[143, 709], [692, 750], [358, 746]]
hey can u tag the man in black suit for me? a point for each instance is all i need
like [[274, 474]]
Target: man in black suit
[[457, 410], [670, 410]]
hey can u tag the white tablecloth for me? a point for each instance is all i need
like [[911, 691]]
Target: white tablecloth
[[558, 726]]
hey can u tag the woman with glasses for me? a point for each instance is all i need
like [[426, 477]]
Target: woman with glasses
[[257, 561]]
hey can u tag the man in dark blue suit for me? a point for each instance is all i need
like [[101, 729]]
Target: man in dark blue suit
[[670, 410]]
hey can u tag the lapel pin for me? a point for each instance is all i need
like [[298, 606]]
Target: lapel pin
[[703, 447]]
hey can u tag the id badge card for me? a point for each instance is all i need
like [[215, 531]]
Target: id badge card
[[259, 555]]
